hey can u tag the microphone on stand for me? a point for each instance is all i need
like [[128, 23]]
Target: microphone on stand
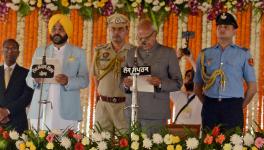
[[42, 71], [135, 70], [134, 104]]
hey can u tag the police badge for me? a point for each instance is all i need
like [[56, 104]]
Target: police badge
[[105, 55], [223, 16]]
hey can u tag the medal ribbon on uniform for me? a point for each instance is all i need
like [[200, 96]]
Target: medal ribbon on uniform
[[114, 65]]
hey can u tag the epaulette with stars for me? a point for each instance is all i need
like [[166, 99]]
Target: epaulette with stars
[[102, 46], [207, 48], [242, 48]]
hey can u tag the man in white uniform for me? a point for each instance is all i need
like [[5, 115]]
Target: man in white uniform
[[64, 109]]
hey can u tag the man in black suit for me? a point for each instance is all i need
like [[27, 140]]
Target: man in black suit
[[15, 95]]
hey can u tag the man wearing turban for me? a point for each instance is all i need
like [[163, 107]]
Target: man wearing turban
[[63, 108]]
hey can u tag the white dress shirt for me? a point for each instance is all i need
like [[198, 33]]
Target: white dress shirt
[[13, 67], [53, 117], [191, 114]]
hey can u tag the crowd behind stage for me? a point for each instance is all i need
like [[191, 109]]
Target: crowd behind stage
[[201, 97]]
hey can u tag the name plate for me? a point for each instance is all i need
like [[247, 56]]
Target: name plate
[[139, 70], [43, 71]]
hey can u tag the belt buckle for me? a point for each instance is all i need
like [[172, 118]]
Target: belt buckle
[[114, 100], [219, 99]]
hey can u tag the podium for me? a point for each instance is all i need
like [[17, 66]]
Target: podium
[[180, 130]]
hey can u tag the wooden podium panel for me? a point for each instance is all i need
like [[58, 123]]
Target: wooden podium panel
[[180, 130]]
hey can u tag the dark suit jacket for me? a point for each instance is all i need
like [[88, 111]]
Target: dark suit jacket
[[16, 97]]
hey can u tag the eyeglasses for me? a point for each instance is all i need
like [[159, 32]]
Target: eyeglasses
[[146, 38], [10, 49]]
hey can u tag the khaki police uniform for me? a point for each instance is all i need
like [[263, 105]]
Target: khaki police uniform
[[109, 111]]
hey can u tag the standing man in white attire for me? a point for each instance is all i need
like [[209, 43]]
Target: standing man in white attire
[[187, 106], [64, 109]]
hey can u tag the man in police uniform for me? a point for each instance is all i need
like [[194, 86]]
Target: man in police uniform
[[221, 71], [107, 64]]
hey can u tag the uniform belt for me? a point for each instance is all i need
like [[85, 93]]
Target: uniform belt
[[232, 99], [112, 99]]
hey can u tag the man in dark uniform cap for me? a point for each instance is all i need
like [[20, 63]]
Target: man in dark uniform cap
[[221, 72], [226, 19]]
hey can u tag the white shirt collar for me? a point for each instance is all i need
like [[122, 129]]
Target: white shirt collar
[[13, 66], [61, 49]]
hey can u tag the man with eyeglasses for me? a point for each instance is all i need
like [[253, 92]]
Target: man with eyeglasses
[[221, 72], [165, 76], [15, 95]]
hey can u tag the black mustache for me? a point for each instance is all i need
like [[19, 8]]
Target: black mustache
[[57, 37]]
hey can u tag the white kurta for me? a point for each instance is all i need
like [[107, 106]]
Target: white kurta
[[191, 114], [53, 117]]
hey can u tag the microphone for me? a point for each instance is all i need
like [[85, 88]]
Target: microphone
[[44, 60], [135, 57], [135, 69], [43, 70]]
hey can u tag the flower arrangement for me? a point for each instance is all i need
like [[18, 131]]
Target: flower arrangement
[[258, 7], [135, 140], [157, 10]]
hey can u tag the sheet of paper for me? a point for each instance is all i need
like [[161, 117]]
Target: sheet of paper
[[143, 85], [57, 68]]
